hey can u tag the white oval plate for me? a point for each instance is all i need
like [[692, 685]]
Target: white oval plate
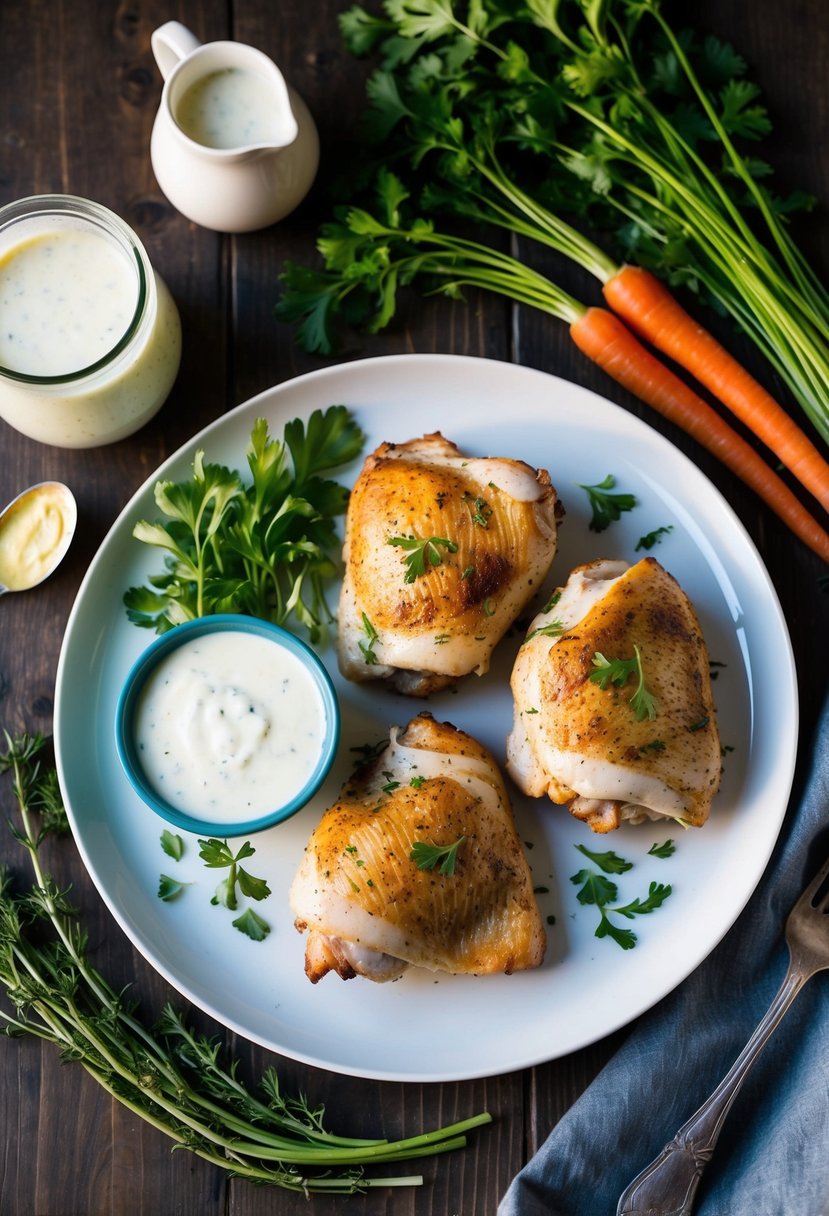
[[429, 1027]]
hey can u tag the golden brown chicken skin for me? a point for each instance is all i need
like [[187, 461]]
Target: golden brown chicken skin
[[442, 552], [614, 714], [371, 908]]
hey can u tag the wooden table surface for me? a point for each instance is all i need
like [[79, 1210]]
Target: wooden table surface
[[78, 94]]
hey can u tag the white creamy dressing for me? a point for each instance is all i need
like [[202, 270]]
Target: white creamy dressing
[[231, 108], [35, 533], [229, 726], [67, 297]]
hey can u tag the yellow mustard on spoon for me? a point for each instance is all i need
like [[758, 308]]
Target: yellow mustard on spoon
[[36, 529]]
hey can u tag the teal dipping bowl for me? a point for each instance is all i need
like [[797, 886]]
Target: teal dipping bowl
[[192, 817]]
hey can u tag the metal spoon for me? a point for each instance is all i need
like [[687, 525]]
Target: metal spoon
[[36, 529]]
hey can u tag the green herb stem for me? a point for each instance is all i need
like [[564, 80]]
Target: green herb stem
[[60, 998], [793, 260], [459, 97]]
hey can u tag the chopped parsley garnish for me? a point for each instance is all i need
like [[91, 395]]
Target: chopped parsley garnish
[[172, 844], [479, 509], [252, 925], [606, 507], [653, 538], [600, 892], [618, 671], [422, 553], [666, 849], [609, 862], [426, 856], [170, 888]]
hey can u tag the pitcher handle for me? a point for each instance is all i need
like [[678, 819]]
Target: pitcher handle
[[171, 43]]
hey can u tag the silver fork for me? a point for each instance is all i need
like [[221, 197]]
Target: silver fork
[[668, 1185]]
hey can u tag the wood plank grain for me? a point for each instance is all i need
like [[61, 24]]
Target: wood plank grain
[[78, 94]]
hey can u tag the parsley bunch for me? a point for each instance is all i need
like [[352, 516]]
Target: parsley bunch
[[265, 549], [556, 115]]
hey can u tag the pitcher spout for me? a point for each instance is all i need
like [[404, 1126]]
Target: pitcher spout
[[233, 146]]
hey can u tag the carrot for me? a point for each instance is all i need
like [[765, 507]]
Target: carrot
[[601, 336], [646, 305]]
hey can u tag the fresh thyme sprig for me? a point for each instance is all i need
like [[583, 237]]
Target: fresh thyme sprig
[[171, 1077]]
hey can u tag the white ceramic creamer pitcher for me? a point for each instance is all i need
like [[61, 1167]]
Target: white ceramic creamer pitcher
[[233, 147]]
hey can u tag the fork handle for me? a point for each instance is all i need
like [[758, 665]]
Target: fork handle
[[668, 1185]]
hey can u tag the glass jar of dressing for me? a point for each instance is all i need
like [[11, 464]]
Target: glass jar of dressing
[[90, 338]]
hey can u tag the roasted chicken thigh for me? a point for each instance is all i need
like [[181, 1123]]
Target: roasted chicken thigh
[[613, 708], [442, 552], [419, 862]]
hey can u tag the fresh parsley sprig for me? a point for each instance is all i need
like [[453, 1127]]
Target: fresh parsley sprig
[[618, 671], [422, 553], [609, 862], [606, 506], [445, 856], [172, 844], [267, 548], [170, 888], [217, 854], [598, 891], [657, 894]]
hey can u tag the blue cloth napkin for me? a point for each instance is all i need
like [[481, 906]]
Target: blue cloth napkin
[[772, 1157]]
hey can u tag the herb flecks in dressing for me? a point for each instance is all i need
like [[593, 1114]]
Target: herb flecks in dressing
[[229, 726], [67, 297], [231, 108]]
